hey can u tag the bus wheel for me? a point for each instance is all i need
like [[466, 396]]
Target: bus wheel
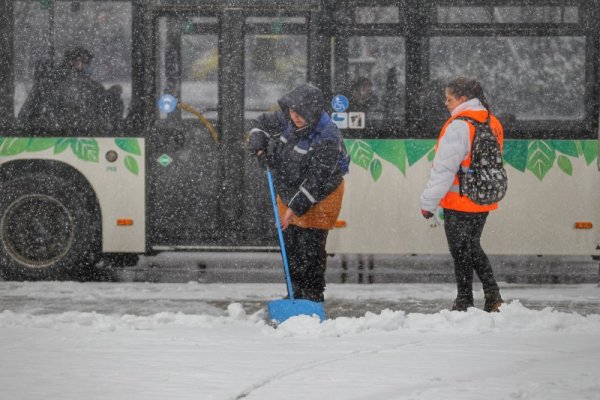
[[49, 229]]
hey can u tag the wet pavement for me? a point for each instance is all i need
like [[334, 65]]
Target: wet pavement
[[175, 282], [347, 300], [356, 268], [334, 307]]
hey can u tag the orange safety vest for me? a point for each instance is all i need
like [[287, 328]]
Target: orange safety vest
[[320, 216], [453, 200]]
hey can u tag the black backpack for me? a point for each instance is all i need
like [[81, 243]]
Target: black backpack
[[485, 181]]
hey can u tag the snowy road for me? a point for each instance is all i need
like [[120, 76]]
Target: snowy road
[[349, 300], [209, 341]]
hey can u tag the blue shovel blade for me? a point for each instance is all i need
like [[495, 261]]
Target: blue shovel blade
[[281, 310]]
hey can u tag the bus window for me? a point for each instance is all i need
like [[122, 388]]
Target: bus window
[[526, 78], [188, 61], [200, 69], [276, 54], [369, 66], [31, 37], [73, 66], [377, 15], [507, 14], [376, 77]]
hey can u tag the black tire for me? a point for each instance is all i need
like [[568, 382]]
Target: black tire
[[49, 228]]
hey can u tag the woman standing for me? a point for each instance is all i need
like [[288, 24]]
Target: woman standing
[[304, 148], [463, 219]]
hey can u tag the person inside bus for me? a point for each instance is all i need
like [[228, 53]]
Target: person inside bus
[[361, 95], [37, 113], [463, 219], [86, 105], [68, 100], [305, 150]]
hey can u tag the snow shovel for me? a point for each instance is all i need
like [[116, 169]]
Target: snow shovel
[[281, 310]]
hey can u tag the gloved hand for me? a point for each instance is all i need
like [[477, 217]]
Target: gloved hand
[[426, 214], [259, 141]]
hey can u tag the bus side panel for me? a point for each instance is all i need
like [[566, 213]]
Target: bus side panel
[[552, 185], [119, 185]]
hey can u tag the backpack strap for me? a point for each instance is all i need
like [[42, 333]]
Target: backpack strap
[[472, 121], [462, 171]]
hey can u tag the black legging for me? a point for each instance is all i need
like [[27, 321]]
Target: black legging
[[307, 258], [463, 232]]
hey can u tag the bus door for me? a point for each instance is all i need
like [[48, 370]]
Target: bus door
[[183, 151], [230, 66], [277, 50]]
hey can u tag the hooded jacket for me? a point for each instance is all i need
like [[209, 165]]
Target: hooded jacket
[[308, 163]]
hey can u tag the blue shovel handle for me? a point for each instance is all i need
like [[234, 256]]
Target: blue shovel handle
[[280, 233]]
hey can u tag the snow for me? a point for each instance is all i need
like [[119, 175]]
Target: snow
[[210, 341]]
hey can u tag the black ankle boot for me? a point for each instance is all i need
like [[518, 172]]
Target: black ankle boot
[[493, 301], [461, 304]]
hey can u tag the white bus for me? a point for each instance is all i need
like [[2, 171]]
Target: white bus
[[73, 194]]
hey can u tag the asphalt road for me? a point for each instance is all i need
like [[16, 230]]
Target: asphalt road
[[267, 267]]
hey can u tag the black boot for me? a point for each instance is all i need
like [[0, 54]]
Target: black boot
[[493, 301], [462, 304]]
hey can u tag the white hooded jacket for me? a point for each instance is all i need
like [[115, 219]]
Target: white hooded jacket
[[452, 149]]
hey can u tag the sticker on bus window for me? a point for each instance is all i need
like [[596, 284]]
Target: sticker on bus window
[[340, 119], [356, 120], [339, 103], [167, 103]]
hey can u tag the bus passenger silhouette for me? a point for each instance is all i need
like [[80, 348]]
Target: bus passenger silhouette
[[67, 100]]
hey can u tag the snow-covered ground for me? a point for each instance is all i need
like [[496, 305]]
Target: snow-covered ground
[[65, 340]]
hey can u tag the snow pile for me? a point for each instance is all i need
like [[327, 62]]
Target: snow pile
[[104, 322], [513, 318], [156, 341]]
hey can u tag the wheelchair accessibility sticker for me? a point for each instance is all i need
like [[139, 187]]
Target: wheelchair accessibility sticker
[[339, 103]]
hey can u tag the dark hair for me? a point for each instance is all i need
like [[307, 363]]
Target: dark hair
[[78, 52], [470, 88], [360, 82]]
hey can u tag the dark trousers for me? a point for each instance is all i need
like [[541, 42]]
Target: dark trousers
[[463, 232], [307, 259]]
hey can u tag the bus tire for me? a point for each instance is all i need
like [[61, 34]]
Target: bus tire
[[49, 228]]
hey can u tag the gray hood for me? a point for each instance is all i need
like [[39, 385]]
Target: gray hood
[[307, 100]]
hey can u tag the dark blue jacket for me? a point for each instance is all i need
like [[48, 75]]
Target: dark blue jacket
[[309, 163]]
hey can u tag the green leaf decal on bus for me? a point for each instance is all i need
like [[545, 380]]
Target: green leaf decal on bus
[[13, 146], [129, 145], [62, 145], [375, 168], [590, 150], [536, 156], [131, 164], [392, 151], [1, 140], [416, 149], [86, 149], [567, 147], [515, 153], [541, 158], [41, 144], [565, 164], [361, 153]]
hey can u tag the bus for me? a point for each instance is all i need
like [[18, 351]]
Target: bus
[[74, 194]]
